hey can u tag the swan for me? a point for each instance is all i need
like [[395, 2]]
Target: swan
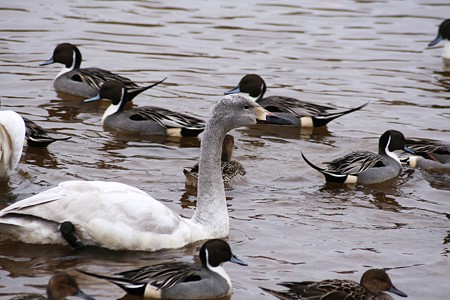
[[120, 217], [12, 137]]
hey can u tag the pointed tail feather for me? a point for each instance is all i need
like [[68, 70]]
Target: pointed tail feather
[[122, 282], [328, 175], [134, 92], [325, 119]]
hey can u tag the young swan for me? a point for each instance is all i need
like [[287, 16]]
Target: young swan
[[117, 216]]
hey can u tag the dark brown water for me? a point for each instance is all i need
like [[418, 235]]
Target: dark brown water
[[285, 222]]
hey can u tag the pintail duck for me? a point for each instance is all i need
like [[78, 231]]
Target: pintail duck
[[181, 280], [300, 113], [59, 287], [367, 167], [84, 82], [374, 283], [146, 120], [37, 136], [231, 169], [12, 135], [120, 217], [443, 35], [428, 154]]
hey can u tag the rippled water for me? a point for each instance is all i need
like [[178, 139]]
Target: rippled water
[[285, 222]]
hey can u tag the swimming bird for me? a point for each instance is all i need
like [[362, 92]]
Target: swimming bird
[[120, 217], [145, 120], [428, 154], [231, 169], [374, 283], [37, 136], [59, 287], [367, 167], [443, 35], [85, 82], [300, 113], [181, 280], [12, 136]]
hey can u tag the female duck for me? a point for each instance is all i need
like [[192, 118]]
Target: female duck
[[59, 287], [373, 283], [443, 35], [118, 216], [181, 280], [231, 169], [367, 167], [36, 136], [300, 113], [84, 82], [146, 120], [12, 136], [428, 154]]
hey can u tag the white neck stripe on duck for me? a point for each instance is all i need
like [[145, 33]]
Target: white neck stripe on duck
[[69, 69], [247, 95], [390, 153], [219, 269], [113, 108], [446, 51]]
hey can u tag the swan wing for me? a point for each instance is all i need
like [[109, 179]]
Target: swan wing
[[12, 135], [108, 214]]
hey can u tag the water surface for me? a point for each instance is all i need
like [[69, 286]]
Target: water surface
[[285, 222]]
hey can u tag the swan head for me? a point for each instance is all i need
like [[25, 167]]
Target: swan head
[[235, 111]]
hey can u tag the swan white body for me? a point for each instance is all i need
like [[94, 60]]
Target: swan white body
[[117, 216], [102, 213], [12, 136]]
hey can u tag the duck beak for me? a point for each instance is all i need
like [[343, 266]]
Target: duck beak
[[396, 291], [95, 98], [83, 295], [408, 150], [266, 117], [236, 260], [236, 90], [47, 62], [435, 41]]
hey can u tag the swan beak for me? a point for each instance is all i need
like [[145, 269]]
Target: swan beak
[[406, 149], [47, 62], [266, 117], [95, 98], [236, 90], [396, 291], [236, 260], [435, 41]]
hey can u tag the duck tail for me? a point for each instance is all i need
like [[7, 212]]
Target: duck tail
[[44, 141], [332, 177], [324, 120], [122, 282], [134, 92]]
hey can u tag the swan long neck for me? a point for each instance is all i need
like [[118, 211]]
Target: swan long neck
[[211, 210]]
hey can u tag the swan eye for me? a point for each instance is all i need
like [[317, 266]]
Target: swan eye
[[246, 107]]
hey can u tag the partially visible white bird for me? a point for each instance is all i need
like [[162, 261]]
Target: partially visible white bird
[[12, 135]]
